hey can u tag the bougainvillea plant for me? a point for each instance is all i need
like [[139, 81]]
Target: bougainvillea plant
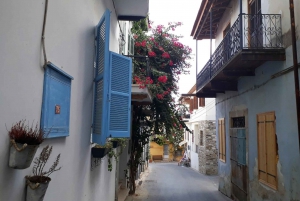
[[159, 60]]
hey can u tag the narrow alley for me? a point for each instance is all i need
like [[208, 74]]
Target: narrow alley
[[170, 182]]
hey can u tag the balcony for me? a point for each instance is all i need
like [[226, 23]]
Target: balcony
[[251, 41], [131, 10]]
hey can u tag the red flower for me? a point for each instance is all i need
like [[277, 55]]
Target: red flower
[[162, 79], [137, 44], [161, 49], [171, 63], [151, 54], [159, 96], [165, 55], [143, 43]]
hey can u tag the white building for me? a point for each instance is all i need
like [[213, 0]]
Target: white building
[[75, 50], [201, 143]]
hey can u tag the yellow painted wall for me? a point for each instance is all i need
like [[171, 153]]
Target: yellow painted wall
[[156, 149]]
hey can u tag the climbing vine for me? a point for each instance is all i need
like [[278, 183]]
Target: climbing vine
[[167, 58]]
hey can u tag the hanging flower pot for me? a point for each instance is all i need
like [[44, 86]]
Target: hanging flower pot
[[36, 185], [99, 152], [115, 144], [24, 141], [36, 191], [21, 155]]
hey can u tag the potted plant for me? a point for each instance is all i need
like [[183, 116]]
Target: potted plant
[[99, 151], [115, 153], [24, 140], [36, 185]]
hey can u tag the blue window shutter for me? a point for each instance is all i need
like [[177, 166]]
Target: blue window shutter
[[101, 80], [241, 152], [55, 117], [119, 96]]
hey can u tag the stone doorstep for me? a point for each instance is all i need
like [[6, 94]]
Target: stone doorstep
[[122, 194]]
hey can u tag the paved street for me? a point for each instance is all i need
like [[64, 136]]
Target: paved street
[[170, 182]]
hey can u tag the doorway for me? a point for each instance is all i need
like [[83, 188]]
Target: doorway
[[255, 24], [238, 148], [166, 151]]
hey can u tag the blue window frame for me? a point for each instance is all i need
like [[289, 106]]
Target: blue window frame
[[112, 88], [55, 117]]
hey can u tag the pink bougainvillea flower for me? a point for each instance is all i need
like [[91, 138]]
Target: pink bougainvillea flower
[[159, 96], [162, 79], [151, 54], [161, 48], [137, 44], [165, 55], [135, 36], [143, 43], [171, 63]]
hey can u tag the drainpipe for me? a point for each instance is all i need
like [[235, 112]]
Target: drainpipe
[[196, 62], [241, 24], [295, 63], [210, 42]]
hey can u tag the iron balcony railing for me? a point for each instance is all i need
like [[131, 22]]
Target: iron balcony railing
[[261, 31]]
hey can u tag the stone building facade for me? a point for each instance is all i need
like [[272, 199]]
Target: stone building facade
[[208, 154]]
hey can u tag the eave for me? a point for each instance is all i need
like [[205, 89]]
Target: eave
[[201, 28], [131, 10]]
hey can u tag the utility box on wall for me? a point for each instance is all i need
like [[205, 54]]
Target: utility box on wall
[[55, 117]]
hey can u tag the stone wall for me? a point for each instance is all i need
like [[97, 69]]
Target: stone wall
[[208, 154]]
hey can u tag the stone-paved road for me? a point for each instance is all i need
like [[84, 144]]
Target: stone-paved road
[[170, 182]]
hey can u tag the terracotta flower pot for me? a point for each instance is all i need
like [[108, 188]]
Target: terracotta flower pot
[[21, 155]]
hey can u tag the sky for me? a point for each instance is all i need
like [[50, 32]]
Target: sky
[[185, 11]]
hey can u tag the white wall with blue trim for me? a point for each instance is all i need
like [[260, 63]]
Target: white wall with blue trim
[[70, 46]]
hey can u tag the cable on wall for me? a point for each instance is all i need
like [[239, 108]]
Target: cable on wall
[[43, 34], [276, 75]]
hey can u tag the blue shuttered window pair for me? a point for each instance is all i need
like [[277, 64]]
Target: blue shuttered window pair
[[112, 88]]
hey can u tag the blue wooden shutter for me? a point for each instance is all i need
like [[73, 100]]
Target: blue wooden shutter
[[119, 96], [241, 152], [55, 117], [101, 80]]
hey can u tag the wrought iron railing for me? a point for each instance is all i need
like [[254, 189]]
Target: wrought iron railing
[[261, 31]]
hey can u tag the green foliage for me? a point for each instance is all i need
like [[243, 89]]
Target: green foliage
[[167, 59]]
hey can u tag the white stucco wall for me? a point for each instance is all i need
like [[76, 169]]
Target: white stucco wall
[[205, 113], [69, 45]]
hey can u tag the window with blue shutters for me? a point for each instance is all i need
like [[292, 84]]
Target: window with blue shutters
[[55, 117], [112, 88]]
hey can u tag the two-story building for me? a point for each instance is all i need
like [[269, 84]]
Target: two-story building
[[61, 67], [201, 143], [250, 75]]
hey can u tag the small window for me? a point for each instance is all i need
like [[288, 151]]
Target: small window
[[222, 140], [267, 149], [201, 138], [197, 149]]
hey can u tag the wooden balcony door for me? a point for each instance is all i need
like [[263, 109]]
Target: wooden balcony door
[[255, 24]]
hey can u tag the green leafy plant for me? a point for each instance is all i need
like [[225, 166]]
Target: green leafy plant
[[167, 60], [115, 153]]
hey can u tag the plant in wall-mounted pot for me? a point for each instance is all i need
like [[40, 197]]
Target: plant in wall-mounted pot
[[99, 151], [36, 185], [118, 142], [24, 141]]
